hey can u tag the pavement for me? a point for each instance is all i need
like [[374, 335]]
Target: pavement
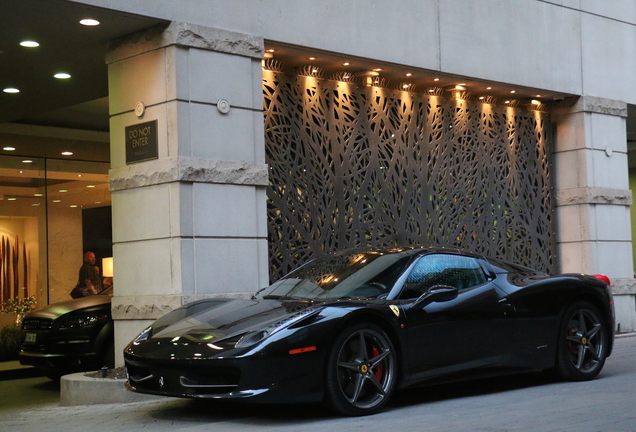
[[525, 402]]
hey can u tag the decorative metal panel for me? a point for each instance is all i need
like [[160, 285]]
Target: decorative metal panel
[[353, 165]]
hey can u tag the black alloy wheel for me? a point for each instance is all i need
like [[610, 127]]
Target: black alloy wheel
[[582, 345], [361, 372]]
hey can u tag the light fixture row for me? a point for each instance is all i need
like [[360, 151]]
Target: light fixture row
[[459, 87], [34, 44], [27, 161]]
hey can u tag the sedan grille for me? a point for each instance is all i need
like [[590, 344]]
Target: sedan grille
[[37, 324]]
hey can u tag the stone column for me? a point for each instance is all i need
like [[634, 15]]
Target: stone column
[[593, 196], [191, 222]]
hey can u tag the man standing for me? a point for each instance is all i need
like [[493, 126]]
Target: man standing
[[89, 280]]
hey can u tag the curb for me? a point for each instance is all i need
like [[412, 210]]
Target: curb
[[79, 389]]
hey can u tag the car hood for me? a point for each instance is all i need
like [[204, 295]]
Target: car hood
[[56, 310], [226, 320]]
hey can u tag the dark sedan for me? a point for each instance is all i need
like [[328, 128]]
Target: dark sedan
[[351, 328], [71, 336]]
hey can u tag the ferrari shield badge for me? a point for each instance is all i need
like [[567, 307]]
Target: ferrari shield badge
[[395, 310]]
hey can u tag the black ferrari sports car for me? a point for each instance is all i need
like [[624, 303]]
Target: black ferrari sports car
[[349, 329]]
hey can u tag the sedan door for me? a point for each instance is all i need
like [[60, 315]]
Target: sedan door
[[471, 331]]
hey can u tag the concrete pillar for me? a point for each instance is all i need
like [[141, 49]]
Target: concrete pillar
[[593, 196], [191, 222]]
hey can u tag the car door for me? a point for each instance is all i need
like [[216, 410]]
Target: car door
[[467, 332]]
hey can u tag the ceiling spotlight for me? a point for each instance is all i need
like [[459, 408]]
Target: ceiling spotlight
[[27, 161], [346, 64], [67, 153], [436, 79], [409, 74], [312, 58], [62, 75], [513, 91], [9, 148], [29, 44], [89, 22], [11, 90]]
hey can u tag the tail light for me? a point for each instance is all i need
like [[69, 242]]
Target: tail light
[[603, 278]]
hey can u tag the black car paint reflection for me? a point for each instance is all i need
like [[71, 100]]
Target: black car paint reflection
[[348, 329]]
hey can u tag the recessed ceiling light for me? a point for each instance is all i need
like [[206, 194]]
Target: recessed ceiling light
[[507, 102], [488, 88], [73, 205], [62, 190], [62, 75], [271, 50], [377, 69], [436, 79], [27, 161], [409, 74], [11, 90], [8, 148], [11, 199], [56, 201], [37, 195], [35, 205], [312, 58], [90, 186], [346, 64], [513, 91], [29, 44], [89, 22], [67, 153]]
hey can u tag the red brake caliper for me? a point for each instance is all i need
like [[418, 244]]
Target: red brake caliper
[[380, 369]]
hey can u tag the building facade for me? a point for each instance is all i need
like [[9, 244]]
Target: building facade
[[246, 136]]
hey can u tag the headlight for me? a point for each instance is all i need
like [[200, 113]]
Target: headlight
[[83, 321], [142, 336], [254, 337]]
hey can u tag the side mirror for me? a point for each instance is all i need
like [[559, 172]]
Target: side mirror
[[437, 293]]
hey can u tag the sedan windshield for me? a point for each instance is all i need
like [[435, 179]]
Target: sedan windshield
[[346, 275]]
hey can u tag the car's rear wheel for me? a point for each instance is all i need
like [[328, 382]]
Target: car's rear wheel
[[582, 344], [361, 370]]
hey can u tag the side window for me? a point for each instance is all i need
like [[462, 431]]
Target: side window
[[457, 271]]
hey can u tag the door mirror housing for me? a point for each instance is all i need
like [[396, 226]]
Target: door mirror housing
[[435, 294]]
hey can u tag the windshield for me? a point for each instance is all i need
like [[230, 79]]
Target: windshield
[[346, 275]]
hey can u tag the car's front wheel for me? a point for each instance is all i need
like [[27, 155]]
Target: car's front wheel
[[582, 345], [361, 370]]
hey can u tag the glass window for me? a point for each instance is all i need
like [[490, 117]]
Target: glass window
[[458, 271], [51, 212]]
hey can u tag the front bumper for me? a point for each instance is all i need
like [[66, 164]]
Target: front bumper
[[60, 362], [284, 379]]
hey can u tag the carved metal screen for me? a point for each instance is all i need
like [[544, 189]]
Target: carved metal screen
[[353, 165]]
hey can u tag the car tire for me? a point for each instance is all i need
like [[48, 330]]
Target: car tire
[[582, 344], [360, 381]]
